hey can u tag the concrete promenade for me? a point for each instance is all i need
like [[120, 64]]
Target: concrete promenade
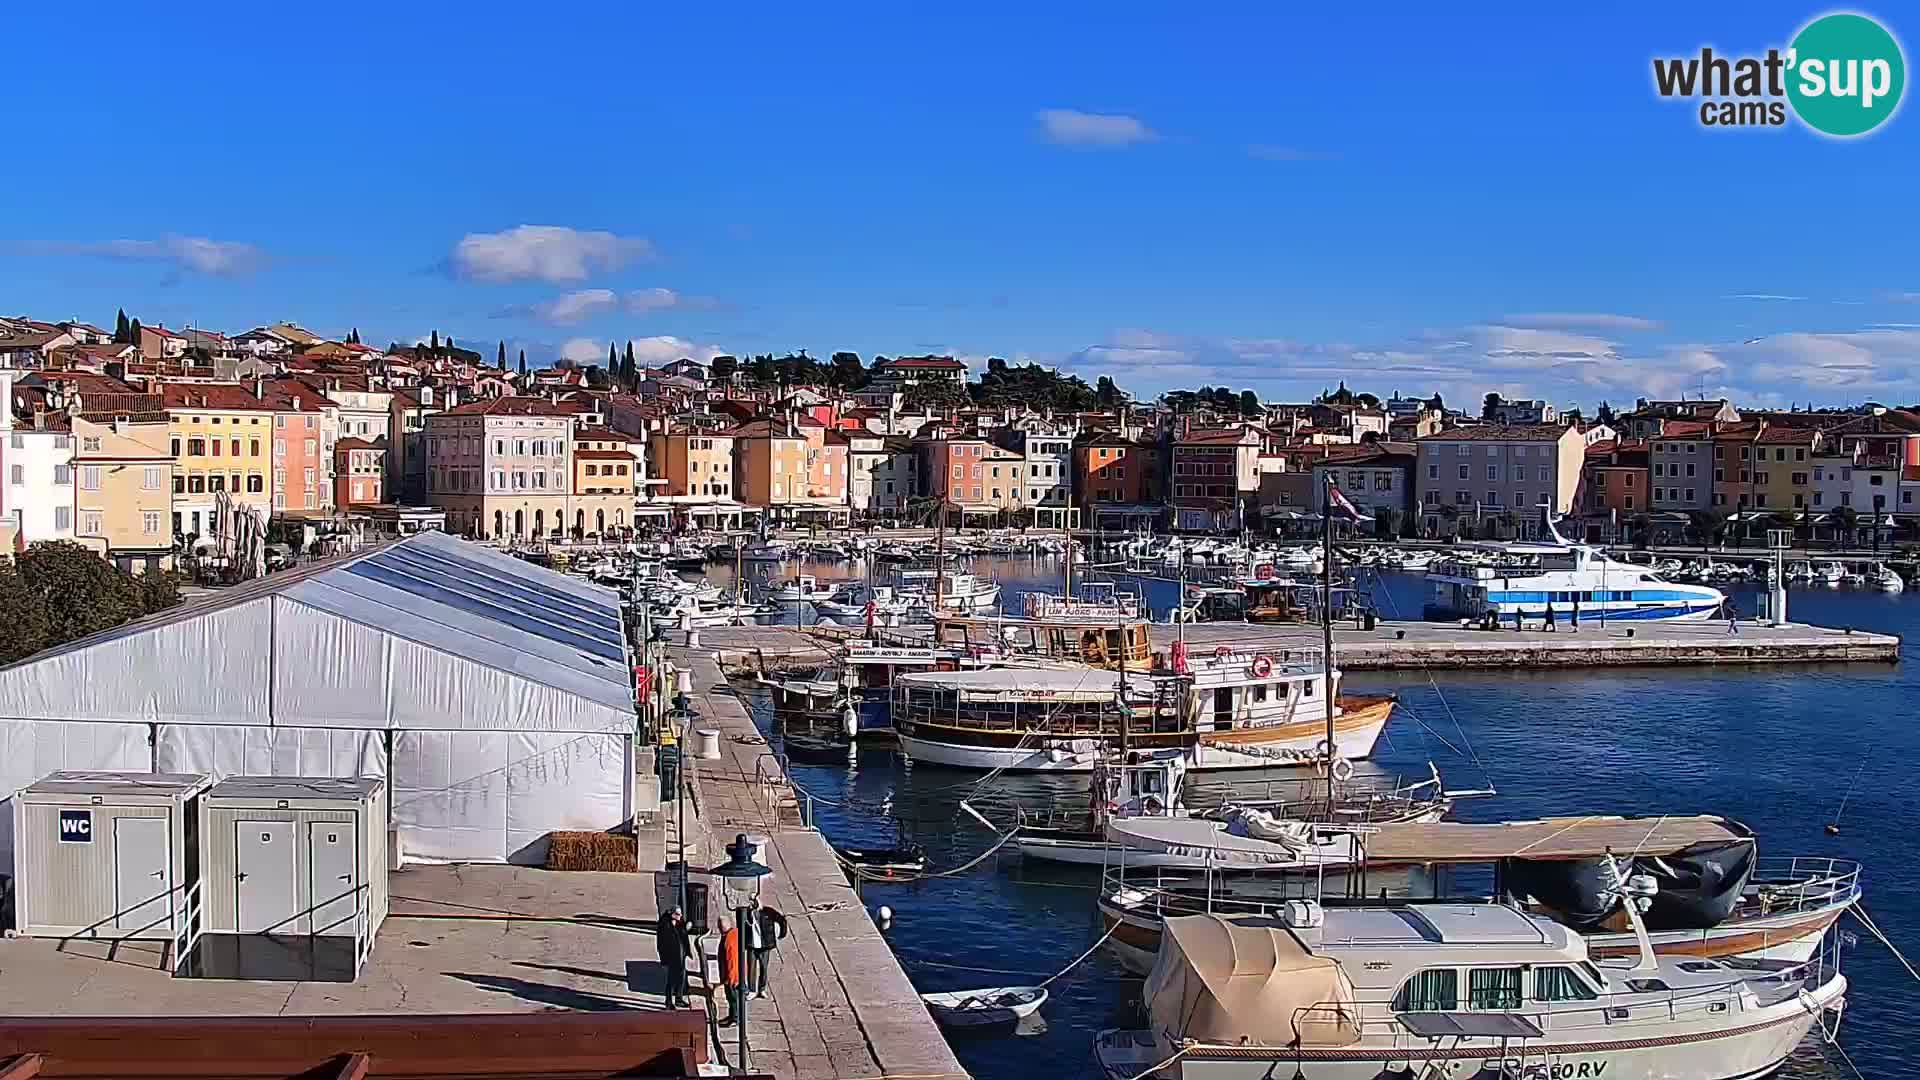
[[1402, 646], [839, 1004]]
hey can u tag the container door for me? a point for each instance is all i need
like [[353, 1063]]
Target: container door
[[140, 859], [332, 869], [265, 858]]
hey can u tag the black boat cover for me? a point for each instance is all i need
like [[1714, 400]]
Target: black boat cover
[[1699, 885]]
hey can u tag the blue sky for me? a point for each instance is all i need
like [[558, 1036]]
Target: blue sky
[[1256, 196]]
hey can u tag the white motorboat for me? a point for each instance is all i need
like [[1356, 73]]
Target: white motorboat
[[817, 689], [1829, 573], [1885, 579], [1569, 578], [765, 552], [804, 589], [704, 614], [853, 603], [958, 590], [1454, 990], [985, 1008]]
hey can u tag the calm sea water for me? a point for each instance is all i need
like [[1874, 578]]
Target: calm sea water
[[1775, 748]]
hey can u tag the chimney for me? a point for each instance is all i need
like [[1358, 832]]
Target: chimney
[[296, 403], [259, 386], [426, 394]]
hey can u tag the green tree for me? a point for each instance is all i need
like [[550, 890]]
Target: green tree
[[1846, 522], [613, 356], [598, 378], [1249, 403], [1706, 526], [121, 328], [500, 357], [1490, 405], [353, 336], [1605, 414], [723, 367], [846, 371], [159, 590], [78, 591], [523, 366], [23, 617], [629, 369], [1105, 393], [133, 333], [936, 393], [1370, 401], [1436, 404]]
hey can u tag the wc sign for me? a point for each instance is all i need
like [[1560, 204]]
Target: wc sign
[[76, 826]]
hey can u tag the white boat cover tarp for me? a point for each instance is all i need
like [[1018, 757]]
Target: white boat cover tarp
[[221, 751], [483, 796], [30, 749], [1199, 839], [1217, 981]]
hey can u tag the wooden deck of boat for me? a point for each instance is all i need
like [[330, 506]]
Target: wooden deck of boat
[[1396, 646], [1547, 838]]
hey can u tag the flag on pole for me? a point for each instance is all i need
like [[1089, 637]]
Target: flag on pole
[[1335, 497]]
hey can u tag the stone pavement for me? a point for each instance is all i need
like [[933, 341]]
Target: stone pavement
[[839, 1004]]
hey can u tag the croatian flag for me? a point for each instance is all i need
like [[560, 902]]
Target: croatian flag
[[1336, 497]]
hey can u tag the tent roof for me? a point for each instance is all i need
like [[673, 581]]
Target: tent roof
[[404, 635], [1547, 838], [1220, 981]]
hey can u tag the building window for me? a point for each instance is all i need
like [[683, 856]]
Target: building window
[[63, 475], [256, 483], [90, 523], [150, 478], [150, 522], [62, 518]]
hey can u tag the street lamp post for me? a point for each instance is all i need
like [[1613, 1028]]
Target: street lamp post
[[740, 879]]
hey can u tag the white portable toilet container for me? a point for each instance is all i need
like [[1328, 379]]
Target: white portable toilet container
[[108, 855], [295, 856]]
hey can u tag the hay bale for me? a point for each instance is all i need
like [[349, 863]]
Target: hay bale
[[592, 851]]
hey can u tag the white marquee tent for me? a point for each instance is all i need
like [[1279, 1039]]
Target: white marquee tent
[[494, 696]]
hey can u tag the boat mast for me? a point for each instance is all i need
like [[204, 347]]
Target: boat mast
[[1326, 621], [939, 555], [1069, 582], [1126, 711]]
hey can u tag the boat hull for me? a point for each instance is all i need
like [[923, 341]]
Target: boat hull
[[1722, 1047], [1291, 745]]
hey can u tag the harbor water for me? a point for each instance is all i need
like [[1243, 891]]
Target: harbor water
[[1778, 748]]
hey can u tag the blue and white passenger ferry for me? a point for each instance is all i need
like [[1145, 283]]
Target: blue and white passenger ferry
[[1524, 578]]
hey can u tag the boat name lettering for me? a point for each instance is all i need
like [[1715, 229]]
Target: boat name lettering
[[1559, 1070]]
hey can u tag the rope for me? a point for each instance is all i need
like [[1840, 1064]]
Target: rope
[[869, 875], [1182, 1052], [1851, 785], [1084, 955], [1860, 912]]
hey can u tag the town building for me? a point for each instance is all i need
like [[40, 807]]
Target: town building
[[123, 485], [1680, 463], [501, 467], [1112, 472], [603, 465], [221, 437], [1497, 477], [1216, 473], [1524, 411], [1046, 450], [407, 413], [1377, 480], [1616, 491], [359, 472], [771, 456]]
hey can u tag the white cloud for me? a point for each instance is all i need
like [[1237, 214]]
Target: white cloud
[[1561, 320], [647, 351], [1070, 127], [1761, 296], [584, 304], [552, 253], [198, 254]]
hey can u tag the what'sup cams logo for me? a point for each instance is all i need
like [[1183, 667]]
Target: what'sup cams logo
[[1842, 76]]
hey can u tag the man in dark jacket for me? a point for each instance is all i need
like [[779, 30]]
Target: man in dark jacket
[[766, 929], [670, 935]]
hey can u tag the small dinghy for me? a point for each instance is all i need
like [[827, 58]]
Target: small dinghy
[[816, 747], [983, 1008], [886, 861]]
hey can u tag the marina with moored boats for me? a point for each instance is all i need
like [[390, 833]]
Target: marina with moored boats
[[1220, 771]]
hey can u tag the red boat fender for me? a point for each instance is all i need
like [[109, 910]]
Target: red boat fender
[[1262, 667]]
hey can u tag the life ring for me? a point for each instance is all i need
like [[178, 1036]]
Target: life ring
[[1224, 650], [1323, 749], [1261, 667], [1152, 805], [1342, 770]]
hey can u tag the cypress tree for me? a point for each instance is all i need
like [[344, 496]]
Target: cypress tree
[[434, 341], [502, 360], [133, 333], [630, 369], [120, 327], [523, 366], [613, 357]]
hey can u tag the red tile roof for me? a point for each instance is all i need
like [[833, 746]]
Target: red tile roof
[[1500, 433], [944, 363], [517, 406], [356, 443]]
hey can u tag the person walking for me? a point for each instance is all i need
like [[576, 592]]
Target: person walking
[[670, 937], [1576, 613], [730, 973], [765, 931], [1550, 627], [1733, 623]]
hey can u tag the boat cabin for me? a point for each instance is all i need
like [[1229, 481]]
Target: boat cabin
[[1099, 644]]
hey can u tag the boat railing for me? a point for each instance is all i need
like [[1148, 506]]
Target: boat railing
[[1785, 884]]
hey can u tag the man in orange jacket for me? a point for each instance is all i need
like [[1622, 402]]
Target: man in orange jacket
[[730, 969]]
